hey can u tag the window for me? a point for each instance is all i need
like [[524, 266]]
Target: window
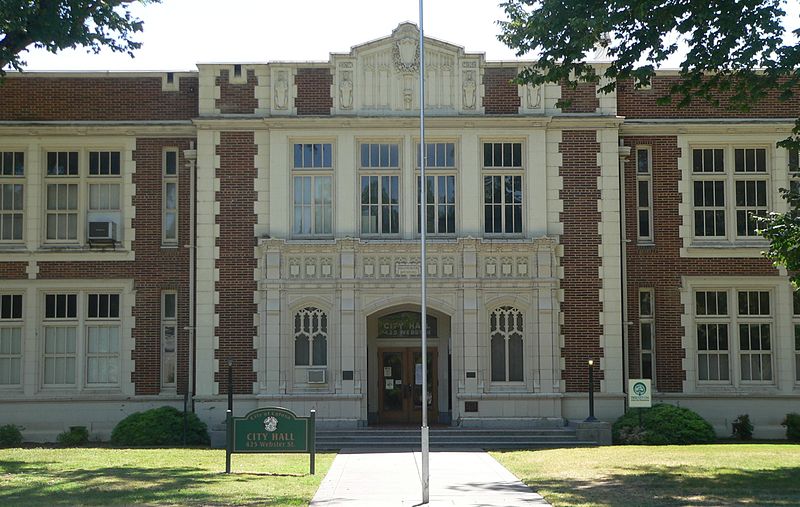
[[169, 334], [10, 339], [505, 334], [12, 173], [313, 204], [796, 324], [794, 170], [502, 188], [440, 189], [83, 196], [726, 202], [169, 189], [81, 340], [743, 336], [644, 195], [380, 203], [310, 337], [647, 333]]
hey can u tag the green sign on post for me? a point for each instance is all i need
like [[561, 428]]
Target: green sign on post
[[271, 429]]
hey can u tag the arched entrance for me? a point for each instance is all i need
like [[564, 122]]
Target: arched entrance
[[394, 366]]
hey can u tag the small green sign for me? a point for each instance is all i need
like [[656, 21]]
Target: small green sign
[[271, 430]]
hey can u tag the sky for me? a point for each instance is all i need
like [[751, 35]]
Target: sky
[[181, 33]]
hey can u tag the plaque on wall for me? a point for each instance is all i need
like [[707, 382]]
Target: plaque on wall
[[405, 325]]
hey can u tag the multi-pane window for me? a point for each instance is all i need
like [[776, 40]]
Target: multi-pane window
[[83, 196], [711, 311], [644, 195], [169, 189], [440, 188], [310, 337], [794, 170], [502, 188], [505, 337], [12, 173], [81, 334], [313, 194], [726, 201], [647, 333], [755, 348], [169, 334], [380, 192], [10, 339], [796, 325], [739, 335]]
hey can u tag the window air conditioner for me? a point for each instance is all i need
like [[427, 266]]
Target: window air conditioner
[[316, 376], [106, 230]]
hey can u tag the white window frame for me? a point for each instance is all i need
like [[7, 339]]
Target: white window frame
[[647, 320], [313, 172], [8, 325], [729, 178], [506, 335], [796, 329], [9, 179], [82, 324], [644, 177], [377, 169], [167, 181], [503, 172], [435, 170], [169, 321], [83, 182]]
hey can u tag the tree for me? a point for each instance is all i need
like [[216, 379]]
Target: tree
[[736, 48], [59, 24]]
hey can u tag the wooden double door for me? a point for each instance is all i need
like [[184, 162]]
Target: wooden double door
[[400, 386]]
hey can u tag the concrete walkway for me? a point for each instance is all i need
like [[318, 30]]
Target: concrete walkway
[[392, 478]]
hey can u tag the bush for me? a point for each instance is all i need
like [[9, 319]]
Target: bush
[[76, 435], [159, 427], [662, 425], [742, 427], [10, 435], [792, 423]]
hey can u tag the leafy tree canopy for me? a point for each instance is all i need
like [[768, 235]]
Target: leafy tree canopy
[[734, 46], [59, 24]]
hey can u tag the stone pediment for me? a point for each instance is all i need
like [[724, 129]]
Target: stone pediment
[[382, 76]]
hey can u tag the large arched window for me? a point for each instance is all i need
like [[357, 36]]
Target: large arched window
[[310, 337], [505, 333]]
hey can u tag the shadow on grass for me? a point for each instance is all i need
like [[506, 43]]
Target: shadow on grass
[[679, 485], [43, 485]]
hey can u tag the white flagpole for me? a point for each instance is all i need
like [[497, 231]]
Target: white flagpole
[[422, 265]]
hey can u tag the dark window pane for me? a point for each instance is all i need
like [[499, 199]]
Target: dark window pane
[[498, 347], [93, 306], [301, 350], [487, 154]]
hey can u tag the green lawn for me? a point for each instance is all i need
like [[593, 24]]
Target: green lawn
[[725, 474], [103, 476]]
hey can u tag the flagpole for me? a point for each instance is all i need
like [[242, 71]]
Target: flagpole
[[422, 264]]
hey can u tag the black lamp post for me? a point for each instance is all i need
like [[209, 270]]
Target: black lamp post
[[591, 417]]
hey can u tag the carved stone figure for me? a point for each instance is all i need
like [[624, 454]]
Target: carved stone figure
[[469, 89], [281, 91], [346, 90], [534, 96]]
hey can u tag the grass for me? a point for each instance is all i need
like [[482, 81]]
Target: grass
[[103, 476], [726, 474]]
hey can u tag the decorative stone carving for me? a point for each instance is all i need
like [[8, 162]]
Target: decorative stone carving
[[469, 89], [346, 90], [406, 55], [281, 91], [534, 96]]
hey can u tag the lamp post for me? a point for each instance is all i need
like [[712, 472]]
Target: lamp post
[[229, 418], [591, 417]]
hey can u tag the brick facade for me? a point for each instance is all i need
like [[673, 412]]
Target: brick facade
[[582, 99], [500, 95], [313, 92], [237, 98]]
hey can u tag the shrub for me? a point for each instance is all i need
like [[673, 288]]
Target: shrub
[[742, 427], [159, 427], [662, 425], [792, 423], [76, 435], [10, 435]]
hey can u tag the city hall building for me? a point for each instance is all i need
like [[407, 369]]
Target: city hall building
[[158, 226]]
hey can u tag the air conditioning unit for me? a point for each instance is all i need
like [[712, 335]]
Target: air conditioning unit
[[105, 230], [316, 376]]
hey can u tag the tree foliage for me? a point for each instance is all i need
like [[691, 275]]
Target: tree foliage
[[59, 24]]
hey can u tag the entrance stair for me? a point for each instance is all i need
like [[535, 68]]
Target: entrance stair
[[449, 438]]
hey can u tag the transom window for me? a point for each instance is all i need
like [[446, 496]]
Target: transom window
[[502, 190], [644, 195], [11, 339], [169, 203], [313, 155], [12, 189], [313, 193], [729, 188], [440, 189], [310, 337], [505, 335], [647, 333]]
